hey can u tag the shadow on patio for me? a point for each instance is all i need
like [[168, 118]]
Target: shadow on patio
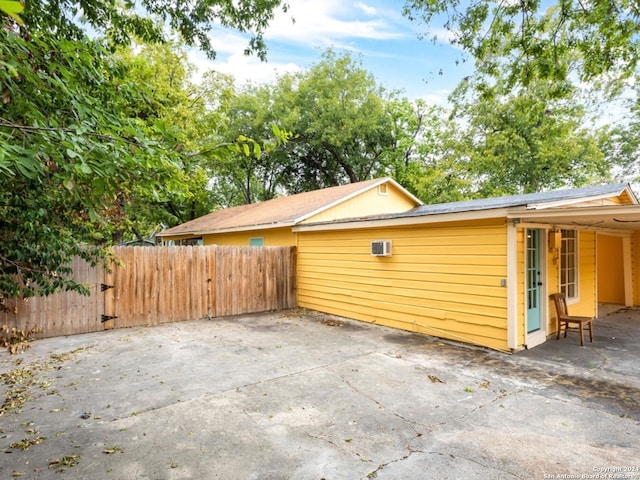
[[615, 349]]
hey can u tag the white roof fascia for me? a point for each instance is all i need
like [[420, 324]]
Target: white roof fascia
[[404, 221], [265, 226], [611, 210], [573, 201], [631, 194], [355, 194]]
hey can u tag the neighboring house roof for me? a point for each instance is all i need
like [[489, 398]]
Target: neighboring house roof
[[279, 212]]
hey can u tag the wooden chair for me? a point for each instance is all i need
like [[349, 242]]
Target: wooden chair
[[564, 319]]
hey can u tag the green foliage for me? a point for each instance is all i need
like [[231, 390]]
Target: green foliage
[[67, 164], [423, 163], [342, 130], [93, 146], [535, 39], [343, 122], [12, 8], [526, 140], [148, 20], [621, 143]]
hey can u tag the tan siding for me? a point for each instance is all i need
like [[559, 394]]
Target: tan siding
[[442, 280], [367, 203]]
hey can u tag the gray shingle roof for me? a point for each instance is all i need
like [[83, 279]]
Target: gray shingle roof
[[514, 200]]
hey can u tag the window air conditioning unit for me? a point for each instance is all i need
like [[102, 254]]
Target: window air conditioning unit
[[381, 248]]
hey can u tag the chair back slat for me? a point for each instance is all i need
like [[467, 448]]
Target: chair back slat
[[560, 302]]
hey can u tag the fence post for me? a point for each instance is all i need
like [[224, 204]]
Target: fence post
[[109, 297]]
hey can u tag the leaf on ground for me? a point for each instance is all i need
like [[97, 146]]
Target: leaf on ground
[[114, 449], [65, 462]]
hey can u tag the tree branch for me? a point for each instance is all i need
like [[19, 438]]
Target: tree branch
[[4, 123]]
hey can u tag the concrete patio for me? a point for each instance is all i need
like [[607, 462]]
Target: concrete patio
[[302, 395]]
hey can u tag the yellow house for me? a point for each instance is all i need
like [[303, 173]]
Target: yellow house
[[479, 272]]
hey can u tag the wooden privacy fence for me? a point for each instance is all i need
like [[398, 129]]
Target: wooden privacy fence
[[154, 285]]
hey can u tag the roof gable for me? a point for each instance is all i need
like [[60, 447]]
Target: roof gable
[[279, 212]]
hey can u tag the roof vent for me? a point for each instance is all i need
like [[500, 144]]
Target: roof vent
[[381, 248]]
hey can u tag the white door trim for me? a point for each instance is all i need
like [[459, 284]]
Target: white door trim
[[538, 337]]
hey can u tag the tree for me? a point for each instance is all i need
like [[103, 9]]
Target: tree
[[12, 8], [185, 117], [255, 170], [147, 20], [64, 159], [535, 38], [75, 147], [621, 142], [423, 163], [341, 126], [526, 140], [345, 131]]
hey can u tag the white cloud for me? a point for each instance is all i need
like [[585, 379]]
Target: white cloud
[[369, 10], [437, 97], [242, 68], [442, 35], [313, 25], [327, 22], [374, 29]]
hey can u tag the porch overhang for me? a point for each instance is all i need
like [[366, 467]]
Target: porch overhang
[[613, 217]]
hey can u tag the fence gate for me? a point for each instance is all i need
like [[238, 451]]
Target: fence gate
[[154, 285]]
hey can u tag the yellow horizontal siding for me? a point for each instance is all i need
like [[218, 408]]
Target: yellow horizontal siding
[[635, 267], [480, 300], [610, 269], [520, 286], [553, 286], [370, 202], [444, 280], [407, 278], [418, 264], [415, 321], [587, 304], [273, 237]]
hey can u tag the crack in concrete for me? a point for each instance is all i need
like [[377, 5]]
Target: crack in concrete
[[502, 394], [411, 423], [477, 462], [381, 466]]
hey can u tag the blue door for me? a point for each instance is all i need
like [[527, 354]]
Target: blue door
[[533, 280]]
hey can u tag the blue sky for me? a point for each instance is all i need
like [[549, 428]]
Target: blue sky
[[373, 31]]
